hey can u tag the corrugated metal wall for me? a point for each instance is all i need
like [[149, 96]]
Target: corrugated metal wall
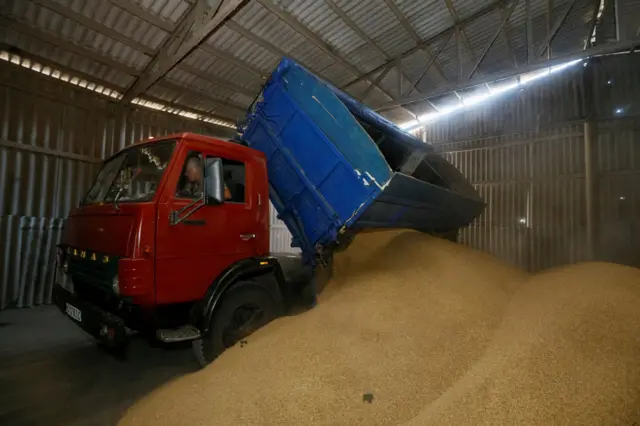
[[280, 235], [525, 154], [52, 138]]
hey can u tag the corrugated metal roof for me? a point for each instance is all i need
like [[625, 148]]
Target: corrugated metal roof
[[480, 33], [244, 49], [427, 17], [265, 25], [448, 60], [574, 34], [466, 8], [322, 20], [629, 15], [413, 67], [365, 58], [188, 80], [170, 10], [219, 68], [115, 40], [119, 20], [65, 58], [379, 23], [54, 26]]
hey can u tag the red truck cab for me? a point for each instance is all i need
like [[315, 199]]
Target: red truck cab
[[172, 239]]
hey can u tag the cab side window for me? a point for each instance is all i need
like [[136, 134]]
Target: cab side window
[[191, 177], [233, 173]]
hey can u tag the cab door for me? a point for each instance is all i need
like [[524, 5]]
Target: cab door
[[191, 254]]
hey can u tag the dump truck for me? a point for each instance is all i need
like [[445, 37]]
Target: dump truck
[[172, 238]]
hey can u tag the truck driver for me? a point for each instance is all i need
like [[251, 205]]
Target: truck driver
[[193, 183]]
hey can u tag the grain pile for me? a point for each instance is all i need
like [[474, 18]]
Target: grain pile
[[417, 330]]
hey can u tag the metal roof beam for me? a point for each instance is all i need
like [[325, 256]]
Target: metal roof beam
[[169, 27], [226, 56], [603, 49], [547, 43], [26, 29], [229, 57], [267, 45], [403, 20], [461, 36], [71, 47], [426, 68], [416, 37], [92, 79], [133, 8], [199, 24], [94, 25], [256, 39], [313, 38], [529, 31], [109, 32], [356, 28], [351, 24], [63, 68], [436, 109], [506, 34], [306, 33], [215, 80], [399, 77], [505, 18], [459, 46], [375, 82], [237, 109], [480, 13], [549, 15]]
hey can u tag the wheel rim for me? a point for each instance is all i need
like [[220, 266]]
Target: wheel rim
[[244, 320]]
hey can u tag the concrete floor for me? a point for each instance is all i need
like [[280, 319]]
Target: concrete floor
[[51, 373]]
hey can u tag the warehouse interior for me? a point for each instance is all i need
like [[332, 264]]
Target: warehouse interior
[[535, 102]]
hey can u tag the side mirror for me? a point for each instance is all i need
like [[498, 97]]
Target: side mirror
[[213, 181]]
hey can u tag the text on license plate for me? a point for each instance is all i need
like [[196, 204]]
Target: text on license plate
[[74, 312]]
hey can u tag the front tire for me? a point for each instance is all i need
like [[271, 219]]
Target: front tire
[[244, 308]]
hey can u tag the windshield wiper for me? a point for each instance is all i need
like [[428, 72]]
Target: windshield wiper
[[122, 189]]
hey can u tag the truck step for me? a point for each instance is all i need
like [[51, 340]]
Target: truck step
[[180, 334]]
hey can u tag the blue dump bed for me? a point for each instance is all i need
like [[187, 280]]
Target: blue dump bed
[[335, 165]]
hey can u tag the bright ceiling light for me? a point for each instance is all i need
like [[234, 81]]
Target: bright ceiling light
[[473, 100], [57, 74], [494, 92], [536, 75], [408, 124]]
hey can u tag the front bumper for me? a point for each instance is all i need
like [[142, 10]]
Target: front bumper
[[104, 326]]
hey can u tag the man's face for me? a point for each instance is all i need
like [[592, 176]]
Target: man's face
[[194, 170]]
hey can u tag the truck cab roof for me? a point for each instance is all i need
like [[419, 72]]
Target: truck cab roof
[[195, 137]]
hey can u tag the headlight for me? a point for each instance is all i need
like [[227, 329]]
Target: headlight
[[116, 285], [65, 267]]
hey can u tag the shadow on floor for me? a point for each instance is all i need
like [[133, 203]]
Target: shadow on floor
[[51, 373]]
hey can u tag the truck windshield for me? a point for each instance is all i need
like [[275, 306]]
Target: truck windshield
[[132, 175]]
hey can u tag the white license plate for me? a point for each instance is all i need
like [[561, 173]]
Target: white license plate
[[74, 312]]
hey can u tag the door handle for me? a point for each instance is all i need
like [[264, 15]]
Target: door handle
[[247, 237]]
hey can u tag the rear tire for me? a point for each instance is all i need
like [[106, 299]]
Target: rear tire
[[244, 308]]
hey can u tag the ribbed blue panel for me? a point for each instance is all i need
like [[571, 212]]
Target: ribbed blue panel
[[324, 169]]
